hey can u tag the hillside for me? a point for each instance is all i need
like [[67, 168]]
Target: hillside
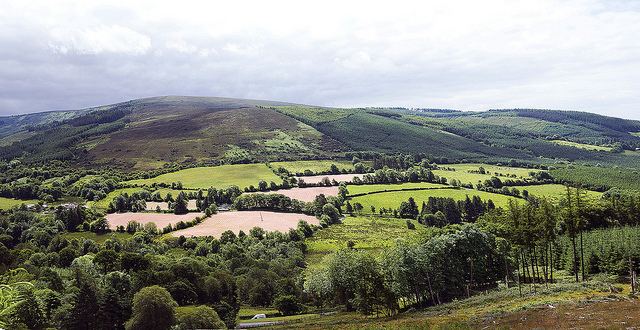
[[148, 133]]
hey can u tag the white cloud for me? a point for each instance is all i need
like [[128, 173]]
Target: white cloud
[[100, 39], [458, 54]]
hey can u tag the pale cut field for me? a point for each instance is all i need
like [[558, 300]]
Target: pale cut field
[[164, 206], [305, 194], [337, 177], [160, 219], [245, 220]]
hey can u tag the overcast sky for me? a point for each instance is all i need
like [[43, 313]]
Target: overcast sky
[[469, 55]]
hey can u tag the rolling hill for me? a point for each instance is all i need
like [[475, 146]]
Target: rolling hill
[[147, 133]]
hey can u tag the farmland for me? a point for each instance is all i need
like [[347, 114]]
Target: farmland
[[364, 189], [242, 175], [554, 191], [305, 194], [494, 169], [160, 219], [337, 177], [315, 166], [104, 203], [368, 233], [7, 203], [244, 221], [393, 199]]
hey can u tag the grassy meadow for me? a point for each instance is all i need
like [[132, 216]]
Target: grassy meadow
[[368, 233], [241, 175], [492, 169], [584, 146], [315, 166], [98, 238], [554, 191], [393, 199], [364, 189], [8, 203]]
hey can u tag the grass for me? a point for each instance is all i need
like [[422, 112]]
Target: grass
[[8, 203], [93, 236], [104, 203], [463, 314], [369, 233], [553, 191], [315, 166], [463, 177], [242, 175], [249, 311], [282, 318], [584, 146], [363, 189], [393, 199], [492, 169]]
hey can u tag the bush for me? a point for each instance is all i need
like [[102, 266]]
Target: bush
[[198, 317], [287, 305]]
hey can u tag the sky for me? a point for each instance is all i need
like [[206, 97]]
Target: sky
[[467, 55]]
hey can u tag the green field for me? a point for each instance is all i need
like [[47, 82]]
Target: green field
[[315, 166], [8, 203], [553, 191], [242, 175], [95, 237], [104, 203], [369, 233], [368, 188], [492, 169], [589, 147], [393, 199]]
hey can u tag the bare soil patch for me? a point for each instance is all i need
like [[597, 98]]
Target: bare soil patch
[[337, 177], [305, 194], [160, 219], [245, 220]]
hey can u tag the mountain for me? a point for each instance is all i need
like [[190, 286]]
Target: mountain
[[147, 133]]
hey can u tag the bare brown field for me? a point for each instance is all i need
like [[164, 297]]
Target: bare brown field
[[305, 194], [337, 177], [151, 206], [245, 220], [160, 219]]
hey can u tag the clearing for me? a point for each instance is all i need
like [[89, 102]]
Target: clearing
[[160, 219], [304, 194], [369, 233], [315, 166], [554, 191], [393, 199], [8, 203], [584, 146], [494, 169], [337, 177], [369, 188], [241, 175], [164, 206], [245, 220]]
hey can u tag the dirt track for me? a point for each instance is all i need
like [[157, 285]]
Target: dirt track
[[245, 220]]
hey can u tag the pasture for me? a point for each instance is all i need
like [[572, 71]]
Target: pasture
[[364, 189], [245, 220], [8, 203], [315, 166], [98, 238], [337, 177], [493, 169], [241, 175], [305, 194], [393, 199], [584, 146], [368, 233], [160, 219], [554, 191], [104, 203]]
